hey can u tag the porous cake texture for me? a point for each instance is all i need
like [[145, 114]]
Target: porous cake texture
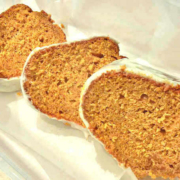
[[54, 76], [22, 30], [136, 117]]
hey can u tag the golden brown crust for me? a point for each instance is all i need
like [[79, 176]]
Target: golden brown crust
[[22, 6], [21, 31], [60, 72], [137, 119]]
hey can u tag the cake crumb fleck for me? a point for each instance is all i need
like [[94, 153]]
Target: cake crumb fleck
[[62, 26], [19, 94], [123, 67], [67, 124]]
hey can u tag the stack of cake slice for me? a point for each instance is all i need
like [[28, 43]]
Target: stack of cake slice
[[132, 109]]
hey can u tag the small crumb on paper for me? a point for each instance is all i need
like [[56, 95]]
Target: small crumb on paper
[[123, 67], [19, 93], [62, 25], [122, 57], [67, 124]]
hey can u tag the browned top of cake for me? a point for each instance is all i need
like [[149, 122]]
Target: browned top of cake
[[138, 120], [55, 75], [22, 30]]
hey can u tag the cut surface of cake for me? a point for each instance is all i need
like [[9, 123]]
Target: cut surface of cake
[[134, 110], [22, 30], [54, 76]]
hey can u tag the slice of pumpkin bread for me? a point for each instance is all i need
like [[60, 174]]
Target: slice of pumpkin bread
[[22, 30], [54, 76], [134, 110]]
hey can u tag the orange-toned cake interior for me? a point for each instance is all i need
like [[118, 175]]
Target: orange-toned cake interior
[[22, 30], [138, 120], [56, 75]]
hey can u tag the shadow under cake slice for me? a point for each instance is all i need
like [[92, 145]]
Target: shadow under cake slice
[[54, 76], [22, 30], [134, 111]]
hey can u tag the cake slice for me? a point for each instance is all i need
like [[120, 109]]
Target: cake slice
[[54, 76], [134, 110], [22, 30]]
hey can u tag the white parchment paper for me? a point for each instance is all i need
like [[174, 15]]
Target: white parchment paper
[[146, 30]]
